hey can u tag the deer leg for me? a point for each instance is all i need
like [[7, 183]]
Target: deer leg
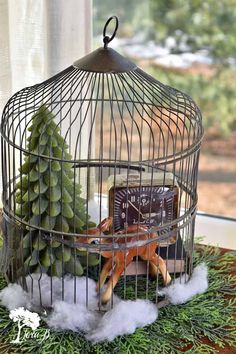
[[150, 251], [104, 273], [118, 270], [153, 270], [160, 263]]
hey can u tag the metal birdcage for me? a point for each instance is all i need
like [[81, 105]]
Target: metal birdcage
[[100, 168]]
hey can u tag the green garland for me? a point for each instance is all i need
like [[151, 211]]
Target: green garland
[[178, 328]]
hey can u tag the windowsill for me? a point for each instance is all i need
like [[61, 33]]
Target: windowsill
[[217, 231]]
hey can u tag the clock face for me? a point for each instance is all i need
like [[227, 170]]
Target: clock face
[[151, 206]]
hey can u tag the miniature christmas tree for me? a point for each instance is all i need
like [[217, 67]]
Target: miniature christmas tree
[[49, 197]]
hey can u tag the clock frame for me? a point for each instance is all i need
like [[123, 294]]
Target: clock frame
[[150, 203]]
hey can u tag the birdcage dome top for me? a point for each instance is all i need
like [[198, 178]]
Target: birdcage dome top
[[117, 106]]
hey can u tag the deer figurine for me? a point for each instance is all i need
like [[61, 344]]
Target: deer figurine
[[118, 260]]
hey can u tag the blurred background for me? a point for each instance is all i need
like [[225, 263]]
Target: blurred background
[[190, 45]]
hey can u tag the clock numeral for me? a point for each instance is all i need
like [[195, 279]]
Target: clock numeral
[[132, 199], [144, 201], [123, 215], [125, 205]]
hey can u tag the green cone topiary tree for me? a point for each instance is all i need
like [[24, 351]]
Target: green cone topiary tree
[[48, 196]]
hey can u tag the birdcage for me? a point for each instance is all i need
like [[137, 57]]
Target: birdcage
[[100, 168]]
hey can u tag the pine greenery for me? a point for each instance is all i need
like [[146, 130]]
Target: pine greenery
[[178, 329], [48, 197]]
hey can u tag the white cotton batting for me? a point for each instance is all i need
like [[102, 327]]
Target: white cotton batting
[[75, 289], [123, 319], [75, 317], [13, 296], [81, 290], [179, 291], [83, 317]]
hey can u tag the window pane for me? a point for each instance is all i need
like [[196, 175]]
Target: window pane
[[191, 46]]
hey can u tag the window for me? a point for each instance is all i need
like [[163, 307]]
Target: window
[[191, 46]]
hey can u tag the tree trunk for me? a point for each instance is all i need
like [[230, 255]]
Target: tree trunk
[[17, 340]]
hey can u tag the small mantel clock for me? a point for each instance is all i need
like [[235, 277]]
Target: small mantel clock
[[149, 199]]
